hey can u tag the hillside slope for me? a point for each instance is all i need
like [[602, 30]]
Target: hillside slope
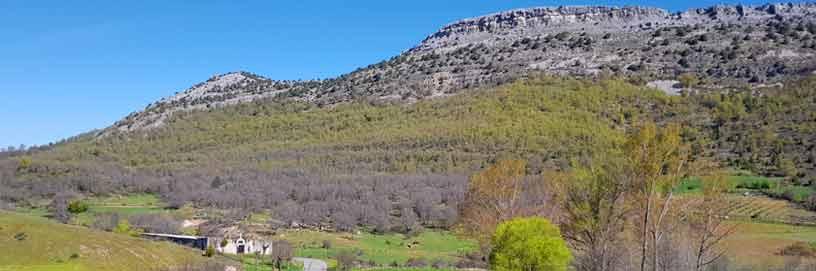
[[32, 243], [240, 141], [724, 45], [370, 164], [358, 163], [548, 120]]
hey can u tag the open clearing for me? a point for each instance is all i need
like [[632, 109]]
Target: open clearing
[[382, 249], [758, 244]]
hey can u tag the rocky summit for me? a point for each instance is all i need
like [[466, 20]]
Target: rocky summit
[[722, 45]]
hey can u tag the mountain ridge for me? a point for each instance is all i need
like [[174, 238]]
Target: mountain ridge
[[488, 50]]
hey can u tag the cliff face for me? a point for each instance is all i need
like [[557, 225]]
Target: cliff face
[[598, 19], [538, 20], [723, 45]]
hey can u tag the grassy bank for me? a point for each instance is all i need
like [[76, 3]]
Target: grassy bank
[[40, 244]]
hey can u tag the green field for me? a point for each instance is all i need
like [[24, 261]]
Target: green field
[[40, 244], [772, 186], [738, 183], [382, 249], [254, 263], [122, 205], [136, 200]]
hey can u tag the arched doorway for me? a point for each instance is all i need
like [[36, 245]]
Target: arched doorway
[[240, 246]]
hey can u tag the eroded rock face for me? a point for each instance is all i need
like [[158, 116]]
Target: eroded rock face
[[541, 20], [723, 44], [220, 90]]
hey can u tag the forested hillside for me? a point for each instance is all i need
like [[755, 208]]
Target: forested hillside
[[372, 164], [547, 120], [312, 163]]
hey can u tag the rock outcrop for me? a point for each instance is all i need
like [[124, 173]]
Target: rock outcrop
[[722, 45]]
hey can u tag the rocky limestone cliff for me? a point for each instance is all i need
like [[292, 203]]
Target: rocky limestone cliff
[[723, 45], [530, 21]]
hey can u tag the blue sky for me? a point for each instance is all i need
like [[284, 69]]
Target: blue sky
[[68, 67]]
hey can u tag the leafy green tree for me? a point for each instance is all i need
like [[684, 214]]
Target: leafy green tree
[[529, 244]]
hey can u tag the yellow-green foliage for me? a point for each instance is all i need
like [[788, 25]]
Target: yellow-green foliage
[[545, 120], [529, 244], [42, 244], [123, 227]]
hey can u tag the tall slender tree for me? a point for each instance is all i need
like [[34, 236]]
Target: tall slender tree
[[594, 211], [658, 160]]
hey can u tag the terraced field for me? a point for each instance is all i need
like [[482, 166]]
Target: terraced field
[[761, 208]]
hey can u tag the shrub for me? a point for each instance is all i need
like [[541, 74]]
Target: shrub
[[77, 207], [811, 202], [800, 249], [439, 264], [529, 244], [210, 251], [123, 227], [688, 80], [161, 223], [472, 260], [684, 62], [416, 262], [345, 260], [106, 222]]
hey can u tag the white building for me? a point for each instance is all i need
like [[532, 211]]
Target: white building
[[241, 245]]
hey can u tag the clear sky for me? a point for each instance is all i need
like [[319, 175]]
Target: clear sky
[[67, 67]]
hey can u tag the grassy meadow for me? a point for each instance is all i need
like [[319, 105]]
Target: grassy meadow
[[122, 205], [41, 244], [382, 249]]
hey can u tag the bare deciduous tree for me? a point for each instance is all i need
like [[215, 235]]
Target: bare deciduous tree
[[594, 209], [657, 160], [707, 222], [500, 193]]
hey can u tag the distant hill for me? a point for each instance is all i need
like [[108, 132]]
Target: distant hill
[[33, 243], [723, 45]]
